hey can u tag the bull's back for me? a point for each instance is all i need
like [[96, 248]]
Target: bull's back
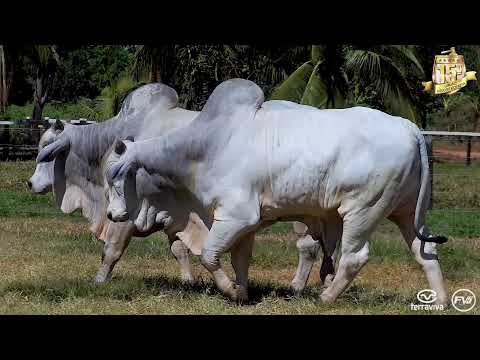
[[312, 158]]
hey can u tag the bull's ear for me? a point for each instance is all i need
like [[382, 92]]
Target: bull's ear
[[58, 125], [130, 193], [130, 138], [120, 147], [59, 178], [49, 152], [194, 235]]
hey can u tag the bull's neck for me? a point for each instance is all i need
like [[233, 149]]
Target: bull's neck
[[176, 156], [93, 141]]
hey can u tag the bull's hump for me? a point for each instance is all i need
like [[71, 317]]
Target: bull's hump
[[231, 97], [148, 96]]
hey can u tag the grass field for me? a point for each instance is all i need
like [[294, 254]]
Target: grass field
[[48, 261]]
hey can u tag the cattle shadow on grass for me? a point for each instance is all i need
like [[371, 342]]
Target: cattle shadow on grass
[[257, 292], [125, 288], [128, 288]]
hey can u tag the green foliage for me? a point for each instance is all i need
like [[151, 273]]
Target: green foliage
[[319, 82], [53, 110], [383, 67], [109, 102], [385, 77], [87, 70], [293, 88], [195, 70], [322, 83]]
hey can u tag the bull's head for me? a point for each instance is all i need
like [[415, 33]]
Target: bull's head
[[149, 200], [45, 178], [120, 172]]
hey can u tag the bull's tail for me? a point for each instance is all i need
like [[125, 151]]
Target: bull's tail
[[423, 194]]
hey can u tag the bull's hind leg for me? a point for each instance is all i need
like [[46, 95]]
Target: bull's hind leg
[[357, 229], [426, 257], [241, 255], [182, 255], [331, 240], [354, 256], [117, 240]]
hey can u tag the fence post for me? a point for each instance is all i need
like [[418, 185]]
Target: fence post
[[5, 140], [429, 143], [469, 151]]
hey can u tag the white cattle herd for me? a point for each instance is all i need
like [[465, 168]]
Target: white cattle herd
[[211, 179]]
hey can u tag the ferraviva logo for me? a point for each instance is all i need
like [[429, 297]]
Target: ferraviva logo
[[427, 296]]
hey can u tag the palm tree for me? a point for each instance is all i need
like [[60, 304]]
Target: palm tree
[[322, 81], [153, 62], [44, 62], [40, 60], [7, 54], [195, 70], [3, 81], [110, 100]]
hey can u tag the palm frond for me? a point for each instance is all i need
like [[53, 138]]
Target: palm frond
[[388, 78], [143, 58], [409, 52], [363, 62], [316, 92], [109, 103], [294, 86]]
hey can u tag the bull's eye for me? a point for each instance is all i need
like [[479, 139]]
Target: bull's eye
[[118, 190]]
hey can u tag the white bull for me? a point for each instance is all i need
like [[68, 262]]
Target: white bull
[[154, 203], [69, 164], [246, 166]]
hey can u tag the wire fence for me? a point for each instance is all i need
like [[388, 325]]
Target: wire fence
[[19, 139], [454, 165]]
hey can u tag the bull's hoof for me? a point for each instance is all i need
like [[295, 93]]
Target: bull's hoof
[[296, 288], [188, 279], [327, 298], [238, 294], [101, 278]]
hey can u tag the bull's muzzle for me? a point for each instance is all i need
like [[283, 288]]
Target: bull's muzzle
[[38, 189]]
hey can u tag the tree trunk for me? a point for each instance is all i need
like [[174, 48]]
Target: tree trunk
[[3, 81], [476, 124], [39, 96], [155, 75], [423, 120], [37, 111]]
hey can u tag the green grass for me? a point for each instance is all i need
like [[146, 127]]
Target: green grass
[[48, 261], [52, 110]]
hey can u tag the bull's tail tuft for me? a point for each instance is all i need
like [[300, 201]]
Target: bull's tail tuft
[[423, 193]]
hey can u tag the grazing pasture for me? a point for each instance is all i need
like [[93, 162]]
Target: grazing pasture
[[48, 261]]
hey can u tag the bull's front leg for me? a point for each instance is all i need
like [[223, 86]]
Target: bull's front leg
[[117, 240], [225, 231], [182, 255], [307, 254]]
